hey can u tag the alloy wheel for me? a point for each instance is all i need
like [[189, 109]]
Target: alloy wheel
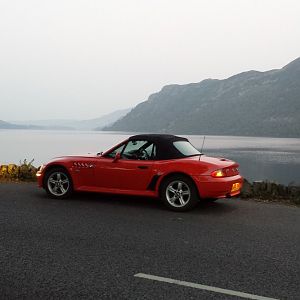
[[178, 193], [58, 184]]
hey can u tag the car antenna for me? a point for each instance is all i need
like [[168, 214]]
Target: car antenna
[[202, 147]]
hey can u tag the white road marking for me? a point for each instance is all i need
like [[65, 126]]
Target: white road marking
[[202, 287]]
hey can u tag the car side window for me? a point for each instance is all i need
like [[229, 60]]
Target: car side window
[[139, 150], [113, 153], [151, 151]]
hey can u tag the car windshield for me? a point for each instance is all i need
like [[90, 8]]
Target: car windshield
[[186, 148]]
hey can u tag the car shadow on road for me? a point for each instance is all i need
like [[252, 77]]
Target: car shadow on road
[[148, 203]]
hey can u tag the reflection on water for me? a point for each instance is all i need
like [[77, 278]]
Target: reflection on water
[[259, 158]]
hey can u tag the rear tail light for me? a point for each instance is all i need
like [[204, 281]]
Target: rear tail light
[[218, 173], [225, 172]]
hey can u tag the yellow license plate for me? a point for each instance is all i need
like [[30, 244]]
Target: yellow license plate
[[236, 187]]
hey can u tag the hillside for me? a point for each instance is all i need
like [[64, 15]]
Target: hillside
[[69, 124], [7, 125], [250, 104], [109, 119]]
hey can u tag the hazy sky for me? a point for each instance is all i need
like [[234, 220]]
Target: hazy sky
[[81, 59]]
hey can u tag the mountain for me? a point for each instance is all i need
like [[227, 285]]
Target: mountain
[[7, 125], [249, 104], [91, 124], [109, 119]]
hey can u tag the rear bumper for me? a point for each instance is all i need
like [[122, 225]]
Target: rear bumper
[[209, 187]]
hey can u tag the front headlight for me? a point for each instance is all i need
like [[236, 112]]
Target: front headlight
[[40, 170]]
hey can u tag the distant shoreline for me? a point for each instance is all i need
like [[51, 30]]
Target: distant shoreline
[[140, 132]]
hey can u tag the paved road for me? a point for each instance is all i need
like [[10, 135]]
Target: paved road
[[91, 246]]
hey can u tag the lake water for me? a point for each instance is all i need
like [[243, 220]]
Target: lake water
[[260, 158]]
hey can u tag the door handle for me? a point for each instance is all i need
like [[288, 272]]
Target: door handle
[[143, 167]]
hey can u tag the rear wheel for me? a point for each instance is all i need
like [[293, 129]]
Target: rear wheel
[[58, 183], [179, 193]]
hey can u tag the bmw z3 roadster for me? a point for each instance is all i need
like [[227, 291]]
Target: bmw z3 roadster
[[155, 165]]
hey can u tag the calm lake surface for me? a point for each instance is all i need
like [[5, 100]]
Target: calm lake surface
[[260, 158]]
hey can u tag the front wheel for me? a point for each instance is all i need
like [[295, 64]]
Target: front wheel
[[58, 183], [179, 193]]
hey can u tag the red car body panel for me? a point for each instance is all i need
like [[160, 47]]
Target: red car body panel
[[143, 177]]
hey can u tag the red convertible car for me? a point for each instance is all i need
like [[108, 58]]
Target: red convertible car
[[164, 166]]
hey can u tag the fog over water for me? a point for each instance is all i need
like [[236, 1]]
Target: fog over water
[[259, 157]]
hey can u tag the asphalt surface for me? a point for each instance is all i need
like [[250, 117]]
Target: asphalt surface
[[91, 246]]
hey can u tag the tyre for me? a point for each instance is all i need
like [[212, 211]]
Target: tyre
[[179, 193], [58, 183]]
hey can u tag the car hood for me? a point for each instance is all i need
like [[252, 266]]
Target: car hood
[[73, 157]]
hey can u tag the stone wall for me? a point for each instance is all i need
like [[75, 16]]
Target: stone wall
[[271, 191]]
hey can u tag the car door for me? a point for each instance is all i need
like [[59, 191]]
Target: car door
[[134, 175], [107, 171], [135, 166], [132, 171]]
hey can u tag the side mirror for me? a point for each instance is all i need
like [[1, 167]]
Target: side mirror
[[99, 153], [117, 157]]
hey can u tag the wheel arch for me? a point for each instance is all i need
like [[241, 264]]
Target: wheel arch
[[54, 166], [177, 173]]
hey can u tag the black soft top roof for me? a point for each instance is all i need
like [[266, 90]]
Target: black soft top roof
[[162, 138], [165, 148]]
